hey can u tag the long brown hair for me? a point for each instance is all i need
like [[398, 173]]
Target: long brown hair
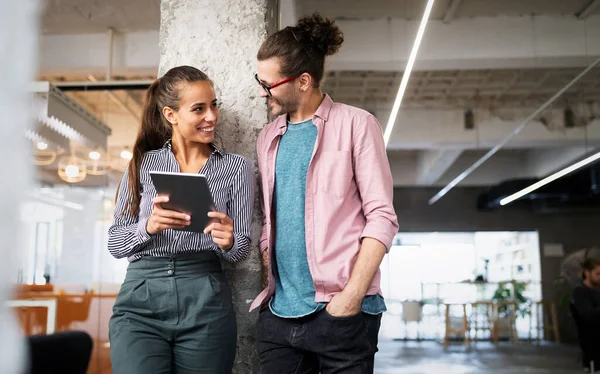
[[302, 48], [155, 130]]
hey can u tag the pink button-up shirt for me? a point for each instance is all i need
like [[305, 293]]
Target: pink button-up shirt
[[349, 194]]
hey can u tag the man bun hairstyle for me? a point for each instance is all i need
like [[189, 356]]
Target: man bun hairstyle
[[324, 35], [303, 48]]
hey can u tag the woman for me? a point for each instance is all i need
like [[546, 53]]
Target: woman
[[174, 311]]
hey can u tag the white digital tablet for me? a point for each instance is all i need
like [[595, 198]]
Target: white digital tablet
[[188, 193]]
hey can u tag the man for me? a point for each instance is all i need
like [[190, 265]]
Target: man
[[328, 213], [586, 310]]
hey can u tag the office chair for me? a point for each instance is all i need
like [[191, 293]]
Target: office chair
[[63, 352]]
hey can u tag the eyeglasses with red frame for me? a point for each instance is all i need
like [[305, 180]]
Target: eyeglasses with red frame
[[269, 88]]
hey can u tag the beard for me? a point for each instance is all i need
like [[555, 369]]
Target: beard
[[278, 107]]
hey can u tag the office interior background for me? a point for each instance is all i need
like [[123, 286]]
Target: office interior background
[[491, 115]]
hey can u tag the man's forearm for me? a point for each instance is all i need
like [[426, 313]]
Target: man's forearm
[[265, 268], [369, 259]]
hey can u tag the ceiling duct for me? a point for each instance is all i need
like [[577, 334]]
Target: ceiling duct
[[60, 120], [459, 178], [579, 190], [64, 136]]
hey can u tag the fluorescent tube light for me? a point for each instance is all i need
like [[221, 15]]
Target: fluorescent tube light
[[407, 71], [516, 131], [549, 179]]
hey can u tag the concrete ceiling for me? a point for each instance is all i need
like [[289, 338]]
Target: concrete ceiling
[[413, 9], [511, 63], [460, 89], [120, 110], [93, 16]]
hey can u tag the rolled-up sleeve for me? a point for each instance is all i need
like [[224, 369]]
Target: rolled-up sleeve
[[127, 234], [374, 181]]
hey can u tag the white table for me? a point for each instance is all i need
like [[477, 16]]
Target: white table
[[49, 304]]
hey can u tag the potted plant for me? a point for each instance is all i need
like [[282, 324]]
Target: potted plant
[[506, 294]]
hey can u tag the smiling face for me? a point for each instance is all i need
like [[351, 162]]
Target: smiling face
[[284, 98], [198, 112]]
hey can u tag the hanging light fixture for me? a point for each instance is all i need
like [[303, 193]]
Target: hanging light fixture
[[97, 163], [44, 158], [63, 124], [94, 155], [126, 154], [469, 120], [43, 154], [118, 158], [71, 169]]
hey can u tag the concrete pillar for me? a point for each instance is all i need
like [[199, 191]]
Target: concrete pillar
[[17, 18], [221, 38]]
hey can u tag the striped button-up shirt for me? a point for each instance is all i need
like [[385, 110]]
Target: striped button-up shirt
[[231, 182]]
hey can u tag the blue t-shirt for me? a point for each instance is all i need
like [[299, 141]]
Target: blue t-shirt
[[294, 287]]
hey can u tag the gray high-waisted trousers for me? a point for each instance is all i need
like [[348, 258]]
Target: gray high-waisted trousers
[[173, 315]]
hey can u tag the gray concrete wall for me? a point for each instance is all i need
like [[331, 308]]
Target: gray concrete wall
[[457, 211], [221, 38]]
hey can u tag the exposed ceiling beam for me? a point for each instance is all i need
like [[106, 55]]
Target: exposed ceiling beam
[[451, 12], [545, 161], [104, 85], [482, 84], [128, 73], [128, 99], [363, 89], [515, 132], [432, 164], [423, 83], [82, 99], [588, 9], [63, 115], [509, 84], [135, 114]]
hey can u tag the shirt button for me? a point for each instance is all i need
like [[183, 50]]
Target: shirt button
[[170, 272]]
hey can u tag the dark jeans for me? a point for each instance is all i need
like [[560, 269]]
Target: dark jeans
[[318, 343]]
